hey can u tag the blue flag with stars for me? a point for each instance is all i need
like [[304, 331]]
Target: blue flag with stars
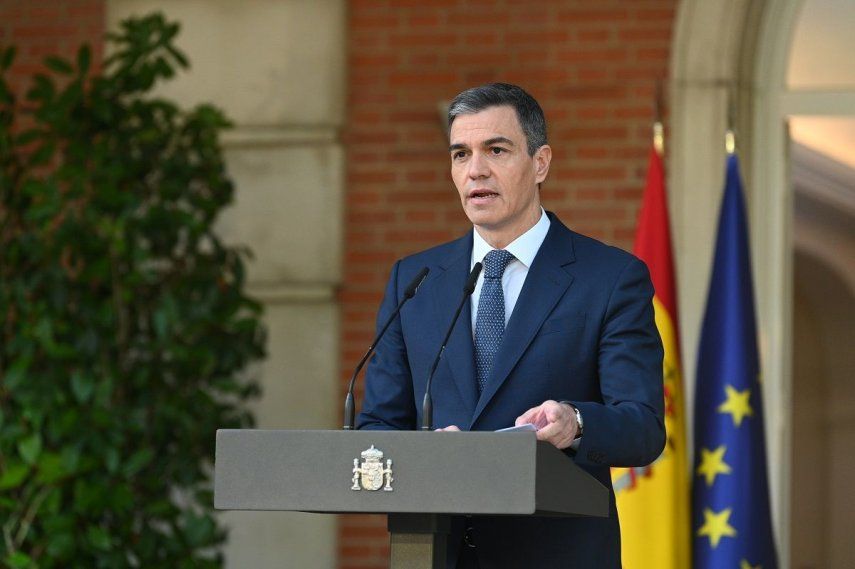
[[731, 521]]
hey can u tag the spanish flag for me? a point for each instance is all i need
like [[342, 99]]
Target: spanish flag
[[653, 501]]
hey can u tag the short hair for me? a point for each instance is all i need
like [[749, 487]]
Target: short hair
[[528, 111]]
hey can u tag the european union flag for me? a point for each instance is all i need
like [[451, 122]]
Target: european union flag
[[731, 522]]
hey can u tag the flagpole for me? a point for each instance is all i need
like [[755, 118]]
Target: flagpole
[[659, 138], [730, 142], [730, 134], [658, 128]]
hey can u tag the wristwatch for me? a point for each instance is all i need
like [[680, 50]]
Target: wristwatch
[[580, 424]]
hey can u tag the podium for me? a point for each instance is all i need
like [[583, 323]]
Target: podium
[[419, 479]]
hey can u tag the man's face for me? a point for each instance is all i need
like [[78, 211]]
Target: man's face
[[494, 174]]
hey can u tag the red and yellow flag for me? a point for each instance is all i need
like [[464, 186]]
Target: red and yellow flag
[[653, 501]]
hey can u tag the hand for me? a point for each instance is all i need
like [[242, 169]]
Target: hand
[[449, 429], [555, 422]]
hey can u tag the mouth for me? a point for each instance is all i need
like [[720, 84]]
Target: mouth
[[482, 196]]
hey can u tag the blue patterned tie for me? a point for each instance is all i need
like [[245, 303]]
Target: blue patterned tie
[[490, 321]]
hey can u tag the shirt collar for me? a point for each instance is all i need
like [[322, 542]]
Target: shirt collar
[[524, 247]]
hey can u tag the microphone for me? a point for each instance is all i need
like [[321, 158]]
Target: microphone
[[427, 404], [409, 293]]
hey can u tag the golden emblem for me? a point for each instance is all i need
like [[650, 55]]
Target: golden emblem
[[371, 475]]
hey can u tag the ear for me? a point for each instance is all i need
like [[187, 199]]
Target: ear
[[542, 158]]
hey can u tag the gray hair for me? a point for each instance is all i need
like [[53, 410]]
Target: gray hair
[[528, 111]]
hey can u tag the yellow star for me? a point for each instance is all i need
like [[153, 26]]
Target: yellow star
[[716, 526], [712, 464], [736, 404], [746, 565]]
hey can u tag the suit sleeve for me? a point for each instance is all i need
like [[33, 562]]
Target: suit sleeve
[[389, 402], [627, 428]]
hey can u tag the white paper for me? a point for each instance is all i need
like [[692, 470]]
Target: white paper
[[525, 427]]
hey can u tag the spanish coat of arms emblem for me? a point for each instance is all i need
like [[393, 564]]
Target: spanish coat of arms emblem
[[371, 475]]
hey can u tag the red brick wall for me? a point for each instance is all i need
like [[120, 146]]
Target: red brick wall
[[593, 67], [48, 27]]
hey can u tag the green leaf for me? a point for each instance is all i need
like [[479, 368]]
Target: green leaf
[[14, 475], [84, 58], [42, 155], [82, 386], [16, 373], [28, 136], [160, 508], [179, 57], [58, 65], [111, 459], [161, 323], [51, 468], [70, 458], [19, 560], [43, 89], [99, 538], [121, 499], [138, 461], [30, 448], [199, 530], [51, 507], [60, 545], [7, 56], [104, 391], [89, 496]]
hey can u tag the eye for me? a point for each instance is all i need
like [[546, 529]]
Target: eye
[[497, 150], [458, 155]]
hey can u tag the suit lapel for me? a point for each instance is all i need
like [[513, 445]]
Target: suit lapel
[[459, 354], [545, 284]]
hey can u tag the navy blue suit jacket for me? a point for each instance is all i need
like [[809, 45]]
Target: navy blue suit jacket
[[582, 331]]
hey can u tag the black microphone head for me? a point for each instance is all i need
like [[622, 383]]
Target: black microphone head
[[469, 288], [414, 285]]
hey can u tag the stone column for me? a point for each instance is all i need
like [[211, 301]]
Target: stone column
[[277, 68]]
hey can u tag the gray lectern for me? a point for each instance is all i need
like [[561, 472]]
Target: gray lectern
[[418, 478]]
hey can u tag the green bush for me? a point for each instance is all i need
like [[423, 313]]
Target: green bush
[[123, 326]]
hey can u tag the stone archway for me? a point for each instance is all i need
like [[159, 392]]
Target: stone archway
[[728, 65], [730, 61]]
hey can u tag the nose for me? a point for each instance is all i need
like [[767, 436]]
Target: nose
[[478, 167]]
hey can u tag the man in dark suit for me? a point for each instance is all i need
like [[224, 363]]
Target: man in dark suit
[[559, 333]]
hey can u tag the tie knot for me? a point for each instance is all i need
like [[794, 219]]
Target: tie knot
[[496, 262]]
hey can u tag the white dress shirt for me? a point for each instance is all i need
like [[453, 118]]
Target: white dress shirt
[[523, 248]]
